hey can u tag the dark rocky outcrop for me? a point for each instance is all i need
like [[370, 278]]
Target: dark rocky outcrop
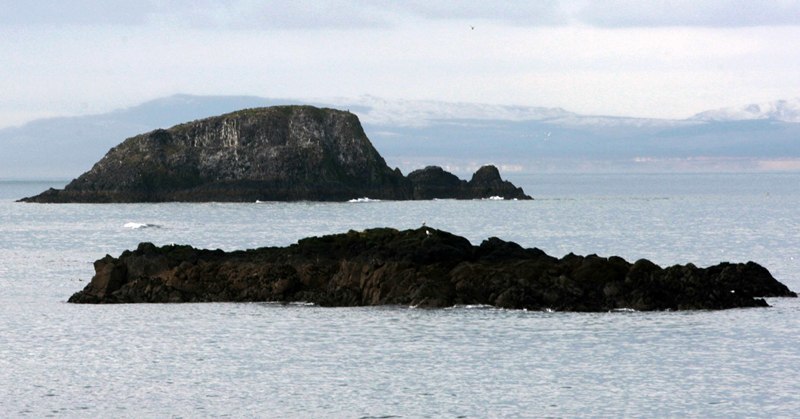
[[282, 153], [434, 182], [423, 267]]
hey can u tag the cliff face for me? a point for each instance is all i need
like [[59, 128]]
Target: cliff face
[[278, 153], [423, 267], [282, 153]]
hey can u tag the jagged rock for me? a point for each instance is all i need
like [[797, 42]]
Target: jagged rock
[[282, 153], [433, 182], [423, 267]]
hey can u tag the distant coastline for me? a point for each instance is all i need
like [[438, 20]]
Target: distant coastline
[[457, 137]]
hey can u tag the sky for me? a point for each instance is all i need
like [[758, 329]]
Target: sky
[[658, 59]]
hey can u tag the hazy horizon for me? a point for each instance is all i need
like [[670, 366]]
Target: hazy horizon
[[423, 108], [459, 137]]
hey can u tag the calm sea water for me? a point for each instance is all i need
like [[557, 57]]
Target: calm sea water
[[270, 360]]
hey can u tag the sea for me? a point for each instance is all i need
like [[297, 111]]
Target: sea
[[302, 361]]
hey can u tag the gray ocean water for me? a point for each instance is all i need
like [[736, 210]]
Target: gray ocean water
[[270, 360]]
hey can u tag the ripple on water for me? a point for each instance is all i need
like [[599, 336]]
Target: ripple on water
[[307, 361]]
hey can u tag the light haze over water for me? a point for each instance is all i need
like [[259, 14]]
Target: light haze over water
[[276, 360]]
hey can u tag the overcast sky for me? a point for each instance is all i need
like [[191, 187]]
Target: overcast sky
[[667, 59]]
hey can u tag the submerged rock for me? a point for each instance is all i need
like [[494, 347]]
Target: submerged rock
[[282, 153], [423, 267]]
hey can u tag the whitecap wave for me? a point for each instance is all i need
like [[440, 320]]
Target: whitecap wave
[[136, 226], [301, 304], [472, 307], [364, 199], [624, 310]]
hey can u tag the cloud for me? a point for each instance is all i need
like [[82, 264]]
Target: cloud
[[523, 13], [73, 12], [697, 13], [613, 13], [271, 15], [621, 58], [335, 14], [198, 14]]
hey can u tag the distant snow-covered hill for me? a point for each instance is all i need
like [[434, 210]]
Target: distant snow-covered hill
[[378, 111], [779, 110], [458, 136], [418, 113]]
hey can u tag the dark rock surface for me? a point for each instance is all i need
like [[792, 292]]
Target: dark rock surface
[[423, 267], [433, 182], [282, 153]]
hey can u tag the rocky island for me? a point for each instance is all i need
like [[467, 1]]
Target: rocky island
[[281, 153], [423, 267]]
